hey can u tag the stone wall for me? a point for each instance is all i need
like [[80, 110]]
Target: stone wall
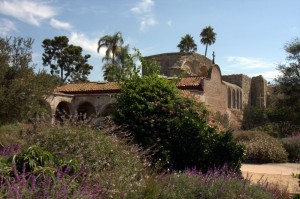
[[258, 91], [215, 92], [244, 82], [186, 64]]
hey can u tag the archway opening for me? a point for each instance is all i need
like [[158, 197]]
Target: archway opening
[[229, 98], [233, 99], [62, 111], [85, 110], [108, 110]]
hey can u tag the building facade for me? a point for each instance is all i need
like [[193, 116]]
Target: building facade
[[226, 94]]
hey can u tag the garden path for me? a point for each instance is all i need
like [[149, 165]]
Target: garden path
[[274, 173]]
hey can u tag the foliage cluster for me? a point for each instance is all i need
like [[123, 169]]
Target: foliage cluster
[[187, 44], [34, 173], [111, 168], [111, 161], [213, 184], [261, 147], [289, 84], [22, 91], [66, 59], [158, 117], [292, 146]]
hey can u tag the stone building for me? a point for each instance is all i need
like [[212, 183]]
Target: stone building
[[226, 94]]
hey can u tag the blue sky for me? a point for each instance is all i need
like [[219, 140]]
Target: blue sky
[[250, 33]]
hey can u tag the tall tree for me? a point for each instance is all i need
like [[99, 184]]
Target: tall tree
[[116, 56], [112, 43], [187, 44], [63, 57], [289, 83], [22, 91], [208, 37]]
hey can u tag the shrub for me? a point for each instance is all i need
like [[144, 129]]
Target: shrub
[[219, 184], [292, 146], [260, 147], [177, 128], [10, 134], [112, 162]]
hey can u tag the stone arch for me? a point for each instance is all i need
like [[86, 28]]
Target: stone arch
[[107, 109], [238, 99], [85, 110], [229, 98], [241, 100], [62, 111], [233, 99]]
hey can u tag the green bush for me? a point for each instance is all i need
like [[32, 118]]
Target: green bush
[[112, 162], [214, 184], [176, 128], [260, 147], [10, 134], [292, 146]]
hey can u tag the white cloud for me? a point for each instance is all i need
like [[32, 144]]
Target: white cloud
[[147, 21], [60, 24], [86, 43], [268, 75], [248, 63], [146, 16], [6, 26], [169, 23], [32, 12], [143, 6]]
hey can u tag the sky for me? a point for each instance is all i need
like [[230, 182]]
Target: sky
[[250, 39]]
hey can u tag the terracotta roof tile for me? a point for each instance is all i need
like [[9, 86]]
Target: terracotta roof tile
[[114, 87], [89, 87], [190, 83]]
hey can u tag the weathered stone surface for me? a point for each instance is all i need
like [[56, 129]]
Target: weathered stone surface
[[186, 64]]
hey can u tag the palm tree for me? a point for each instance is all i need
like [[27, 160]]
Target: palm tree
[[208, 37], [187, 44], [113, 43]]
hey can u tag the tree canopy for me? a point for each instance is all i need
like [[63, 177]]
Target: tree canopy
[[187, 44], [22, 91], [66, 59], [208, 37], [116, 56], [289, 83]]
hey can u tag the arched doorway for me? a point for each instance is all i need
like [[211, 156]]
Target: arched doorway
[[85, 110], [233, 99], [108, 110], [62, 111], [229, 98]]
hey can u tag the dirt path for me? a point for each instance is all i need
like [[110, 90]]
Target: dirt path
[[274, 173]]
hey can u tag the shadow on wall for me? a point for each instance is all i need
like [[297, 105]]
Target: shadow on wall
[[62, 111], [85, 110]]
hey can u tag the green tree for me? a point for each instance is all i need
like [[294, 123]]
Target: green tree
[[208, 37], [112, 43], [22, 91], [288, 84], [63, 57], [187, 44], [115, 55], [176, 128], [114, 71]]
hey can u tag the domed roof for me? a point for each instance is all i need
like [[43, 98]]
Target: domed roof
[[186, 64]]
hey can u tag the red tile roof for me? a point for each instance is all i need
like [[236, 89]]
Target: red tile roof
[[89, 88], [186, 83], [190, 81]]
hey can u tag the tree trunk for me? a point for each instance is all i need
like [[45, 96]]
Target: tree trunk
[[206, 49]]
